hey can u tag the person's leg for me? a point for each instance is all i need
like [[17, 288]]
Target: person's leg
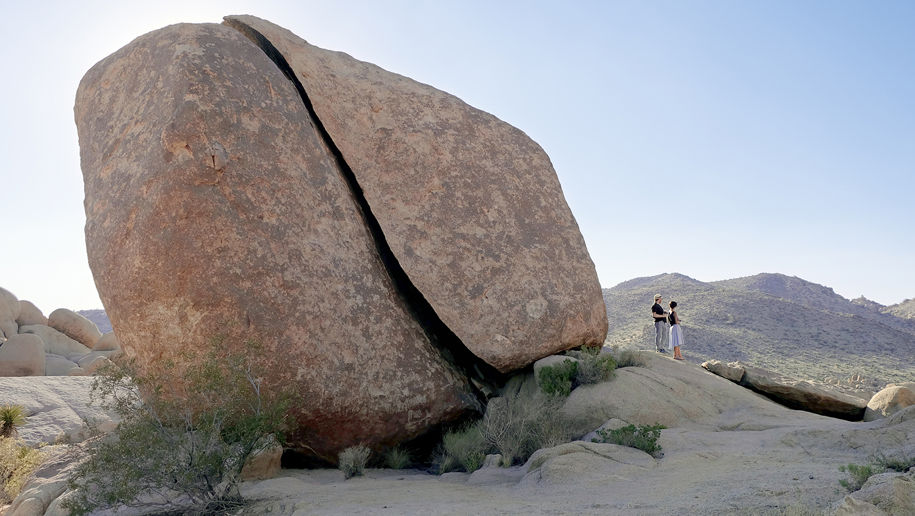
[[677, 354], [665, 337], [658, 337]]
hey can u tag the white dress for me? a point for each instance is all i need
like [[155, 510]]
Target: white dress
[[676, 336]]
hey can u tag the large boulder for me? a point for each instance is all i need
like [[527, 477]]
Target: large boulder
[[804, 395], [469, 205], [9, 312], [74, 326], [893, 398], [213, 207], [733, 371], [22, 355], [30, 314]]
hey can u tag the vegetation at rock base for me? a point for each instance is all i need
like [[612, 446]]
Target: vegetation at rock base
[[593, 366], [514, 426], [398, 458], [557, 379], [17, 463], [643, 437], [896, 463], [187, 427], [629, 358], [352, 460], [465, 447], [857, 475], [11, 416]]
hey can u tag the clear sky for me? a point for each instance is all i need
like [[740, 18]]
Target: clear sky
[[717, 139]]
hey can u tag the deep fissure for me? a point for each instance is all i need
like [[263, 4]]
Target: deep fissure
[[483, 378]]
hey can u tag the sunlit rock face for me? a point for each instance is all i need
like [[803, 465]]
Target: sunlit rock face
[[390, 248]]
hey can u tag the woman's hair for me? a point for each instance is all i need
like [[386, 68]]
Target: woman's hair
[[673, 304]]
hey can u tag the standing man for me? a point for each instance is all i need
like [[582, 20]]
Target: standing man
[[660, 325]]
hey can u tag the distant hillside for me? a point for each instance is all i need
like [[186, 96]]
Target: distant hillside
[[773, 321], [904, 310], [99, 317]]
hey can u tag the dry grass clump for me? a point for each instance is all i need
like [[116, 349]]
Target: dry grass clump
[[352, 460], [17, 463], [11, 416], [398, 458]]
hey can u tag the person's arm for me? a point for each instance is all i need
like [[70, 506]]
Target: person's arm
[[676, 318]]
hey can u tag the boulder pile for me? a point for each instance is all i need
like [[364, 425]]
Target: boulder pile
[[394, 251], [63, 344]]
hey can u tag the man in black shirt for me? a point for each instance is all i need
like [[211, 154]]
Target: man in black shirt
[[661, 333]]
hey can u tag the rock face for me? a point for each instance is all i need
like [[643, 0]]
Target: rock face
[[470, 206], [419, 244], [733, 371], [890, 400]]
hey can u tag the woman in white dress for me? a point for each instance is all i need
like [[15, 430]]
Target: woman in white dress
[[676, 334]]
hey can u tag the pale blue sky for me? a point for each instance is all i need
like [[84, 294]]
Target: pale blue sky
[[717, 139]]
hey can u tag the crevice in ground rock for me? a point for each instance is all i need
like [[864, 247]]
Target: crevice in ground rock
[[482, 376]]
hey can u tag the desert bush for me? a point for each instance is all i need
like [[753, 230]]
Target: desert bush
[[897, 463], [466, 447], [397, 458], [17, 463], [11, 417], [187, 427], [593, 366], [629, 358], [857, 475], [352, 460], [519, 424], [557, 379], [643, 437]]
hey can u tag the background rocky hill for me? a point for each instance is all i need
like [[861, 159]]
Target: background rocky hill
[[774, 321]]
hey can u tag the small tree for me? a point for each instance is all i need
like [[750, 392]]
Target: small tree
[[187, 427]]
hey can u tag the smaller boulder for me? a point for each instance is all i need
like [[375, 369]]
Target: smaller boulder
[[30, 314], [803, 395], [733, 371], [264, 464], [56, 342], [854, 507], [9, 312], [74, 326], [56, 365], [890, 400], [22, 355]]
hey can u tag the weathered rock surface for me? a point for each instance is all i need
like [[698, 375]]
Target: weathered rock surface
[[55, 407], [733, 371], [470, 206], [74, 326], [30, 314], [803, 395], [214, 207], [22, 355], [890, 400], [56, 365], [569, 463]]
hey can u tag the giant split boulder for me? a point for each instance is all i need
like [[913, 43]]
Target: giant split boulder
[[392, 248]]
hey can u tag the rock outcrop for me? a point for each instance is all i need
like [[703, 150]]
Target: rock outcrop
[[35, 349], [890, 400], [390, 246], [793, 393]]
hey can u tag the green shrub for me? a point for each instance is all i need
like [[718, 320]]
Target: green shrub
[[643, 437], [629, 358], [857, 475], [17, 463], [901, 464], [187, 427], [519, 424], [467, 447], [557, 379], [397, 458], [594, 366], [352, 460], [11, 416]]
